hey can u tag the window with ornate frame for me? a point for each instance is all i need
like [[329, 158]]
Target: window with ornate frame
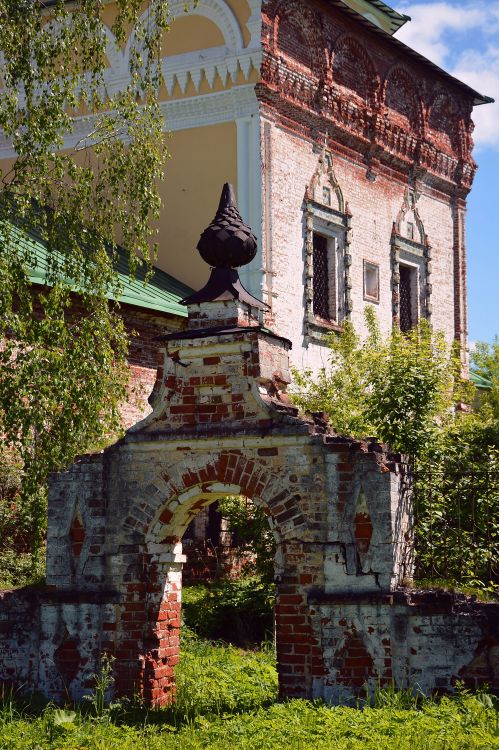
[[327, 258], [411, 266]]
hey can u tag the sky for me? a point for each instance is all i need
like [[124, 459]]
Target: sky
[[462, 36]]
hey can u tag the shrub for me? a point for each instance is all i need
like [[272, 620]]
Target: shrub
[[254, 543], [238, 611], [400, 389]]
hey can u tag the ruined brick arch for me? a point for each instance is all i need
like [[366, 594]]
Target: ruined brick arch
[[157, 521], [443, 116], [184, 487], [353, 69], [400, 96], [297, 33]]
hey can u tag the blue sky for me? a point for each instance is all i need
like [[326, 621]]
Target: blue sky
[[462, 36]]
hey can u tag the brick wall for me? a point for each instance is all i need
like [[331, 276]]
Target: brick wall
[[144, 357], [391, 126]]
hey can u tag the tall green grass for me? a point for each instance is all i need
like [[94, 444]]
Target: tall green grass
[[227, 701]]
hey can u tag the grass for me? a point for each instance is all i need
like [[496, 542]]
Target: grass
[[482, 593], [227, 699]]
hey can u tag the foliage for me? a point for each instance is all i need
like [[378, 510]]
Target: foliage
[[21, 569], [14, 528], [19, 566], [402, 390], [239, 611], [254, 543], [456, 502], [226, 699], [399, 389], [485, 360], [99, 700], [63, 348]]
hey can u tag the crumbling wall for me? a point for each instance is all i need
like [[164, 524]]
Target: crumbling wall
[[339, 508]]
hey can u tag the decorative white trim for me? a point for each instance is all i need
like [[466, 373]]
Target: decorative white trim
[[254, 24], [216, 11], [210, 109], [179, 114], [194, 65]]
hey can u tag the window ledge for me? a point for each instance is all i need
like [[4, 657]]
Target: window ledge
[[319, 329]]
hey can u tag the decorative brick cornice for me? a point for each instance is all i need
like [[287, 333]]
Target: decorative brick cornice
[[316, 106], [368, 98]]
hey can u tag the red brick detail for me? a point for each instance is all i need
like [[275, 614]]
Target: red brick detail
[[363, 531], [166, 516], [353, 662], [325, 72], [484, 668], [77, 536], [67, 660]]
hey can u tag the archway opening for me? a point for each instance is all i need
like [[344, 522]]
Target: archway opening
[[228, 588], [224, 544]]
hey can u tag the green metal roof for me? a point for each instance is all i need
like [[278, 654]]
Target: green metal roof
[[396, 19], [480, 381], [162, 293]]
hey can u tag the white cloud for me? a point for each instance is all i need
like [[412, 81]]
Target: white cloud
[[481, 71], [435, 31], [430, 21]]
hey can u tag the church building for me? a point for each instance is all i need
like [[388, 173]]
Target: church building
[[351, 158], [351, 155]]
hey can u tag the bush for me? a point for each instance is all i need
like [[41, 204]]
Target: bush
[[238, 611], [457, 508], [400, 389], [254, 543], [19, 564]]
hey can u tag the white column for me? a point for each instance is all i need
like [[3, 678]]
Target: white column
[[249, 193]]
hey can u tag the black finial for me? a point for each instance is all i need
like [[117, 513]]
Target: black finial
[[228, 242]]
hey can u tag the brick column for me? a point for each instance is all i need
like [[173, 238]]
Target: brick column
[[299, 653], [149, 628]]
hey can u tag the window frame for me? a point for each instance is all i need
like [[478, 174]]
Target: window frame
[[417, 257], [336, 227], [374, 264]]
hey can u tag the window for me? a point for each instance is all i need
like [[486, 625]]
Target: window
[[406, 301], [411, 266], [321, 268], [327, 230], [371, 281]]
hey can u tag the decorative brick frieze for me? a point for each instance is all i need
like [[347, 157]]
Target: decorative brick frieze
[[318, 63]]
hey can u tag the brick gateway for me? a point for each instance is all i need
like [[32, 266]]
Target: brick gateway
[[340, 510]]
